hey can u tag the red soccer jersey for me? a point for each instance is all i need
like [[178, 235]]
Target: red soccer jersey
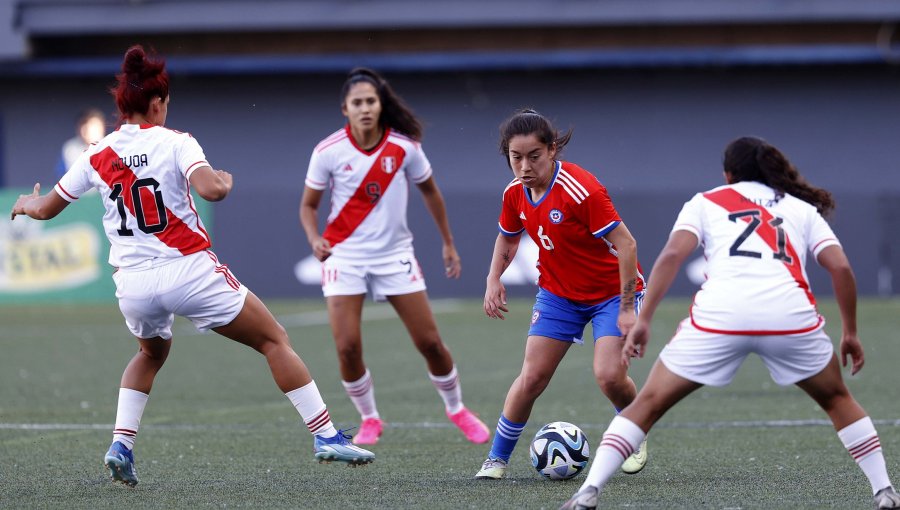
[[569, 223]]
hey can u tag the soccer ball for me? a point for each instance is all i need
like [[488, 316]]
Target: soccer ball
[[559, 451]]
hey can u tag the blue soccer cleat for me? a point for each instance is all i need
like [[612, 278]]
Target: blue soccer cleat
[[120, 462], [339, 448]]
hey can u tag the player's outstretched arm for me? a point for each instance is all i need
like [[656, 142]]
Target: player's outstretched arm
[[835, 261], [680, 244], [212, 185], [39, 207]]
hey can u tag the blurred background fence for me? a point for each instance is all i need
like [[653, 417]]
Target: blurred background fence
[[654, 90]]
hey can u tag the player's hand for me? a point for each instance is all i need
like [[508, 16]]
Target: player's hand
[[495, 299], [452, 264], [635, 342], [226, 177], [321, 249], [626, 321], [19, 206], [851, 346]]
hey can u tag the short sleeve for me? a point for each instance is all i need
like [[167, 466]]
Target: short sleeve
[[598, 212], [418, 168], [820, 235], [76, 181], [319, 172], [691, 216], [510, 223], [189, 156]]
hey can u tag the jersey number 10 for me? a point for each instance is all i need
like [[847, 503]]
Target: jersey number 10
[[138, 206]]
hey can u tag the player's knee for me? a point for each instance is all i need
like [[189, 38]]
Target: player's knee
[[533, 383], [431, 348], [610, 383], [349, 352]]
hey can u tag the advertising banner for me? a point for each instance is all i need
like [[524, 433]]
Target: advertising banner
[[60, 260]]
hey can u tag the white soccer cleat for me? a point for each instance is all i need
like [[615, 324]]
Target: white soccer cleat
[[585, 499], [887, 498], [492, 469], [637, 461]]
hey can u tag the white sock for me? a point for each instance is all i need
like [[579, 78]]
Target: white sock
[[128, 415], [620, 440], [362, 394], [861, 441], [308, 402], [448, 387]]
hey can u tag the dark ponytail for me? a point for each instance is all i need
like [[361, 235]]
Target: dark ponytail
[[395, 113], [142, 79], [527, 122], [753, 159]]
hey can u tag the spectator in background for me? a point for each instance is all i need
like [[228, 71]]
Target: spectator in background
[[368, 165], [90, 128]]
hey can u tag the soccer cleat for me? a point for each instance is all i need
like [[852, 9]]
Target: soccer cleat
[[474, 429], [637, 461], [120, 462], [492, 469], [585, 499], [369, 431], [339, 448], [887, 498]]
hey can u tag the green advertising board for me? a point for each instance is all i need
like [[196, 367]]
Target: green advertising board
[[61, 260]]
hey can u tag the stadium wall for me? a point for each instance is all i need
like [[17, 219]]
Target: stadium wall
[[652, 136]]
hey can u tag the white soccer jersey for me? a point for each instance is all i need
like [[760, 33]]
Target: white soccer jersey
[[755, 246], [369, 193], [141, 172]]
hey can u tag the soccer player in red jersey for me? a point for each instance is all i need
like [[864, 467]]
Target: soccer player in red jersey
[[589, 273], [367, 245], [755, 231], [164, 267]]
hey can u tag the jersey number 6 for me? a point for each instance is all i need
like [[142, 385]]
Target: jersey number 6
[[138, 206]]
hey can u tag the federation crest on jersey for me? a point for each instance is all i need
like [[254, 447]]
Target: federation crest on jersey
[[556, 216], [388, 164]]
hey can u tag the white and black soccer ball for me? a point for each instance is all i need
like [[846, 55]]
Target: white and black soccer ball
[[559, 451]]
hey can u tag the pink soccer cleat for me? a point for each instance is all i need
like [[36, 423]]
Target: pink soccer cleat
[[369, 431], [474, 429]]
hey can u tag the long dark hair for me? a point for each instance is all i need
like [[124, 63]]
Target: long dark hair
[[395, 113], [753, 159], [527, 122], [143, 78]]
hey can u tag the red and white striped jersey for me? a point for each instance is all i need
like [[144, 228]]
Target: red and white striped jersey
[[141, 172], [369, 193], [568, 224], [755, 246]]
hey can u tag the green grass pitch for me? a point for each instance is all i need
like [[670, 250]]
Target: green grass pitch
[[217, 433]]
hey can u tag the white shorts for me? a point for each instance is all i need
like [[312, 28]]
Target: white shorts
[[395, 278], [196, 287], [713, 358]]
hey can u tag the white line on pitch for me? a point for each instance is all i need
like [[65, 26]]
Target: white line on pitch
[[443, 425]]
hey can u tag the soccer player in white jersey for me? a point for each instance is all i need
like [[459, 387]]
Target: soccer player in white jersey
[[368, 165], [755, 232], [160, 249]]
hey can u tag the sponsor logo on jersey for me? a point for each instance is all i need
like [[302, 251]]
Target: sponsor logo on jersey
[[388, 164], [348, 168], [556, 216], [522, 216]]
